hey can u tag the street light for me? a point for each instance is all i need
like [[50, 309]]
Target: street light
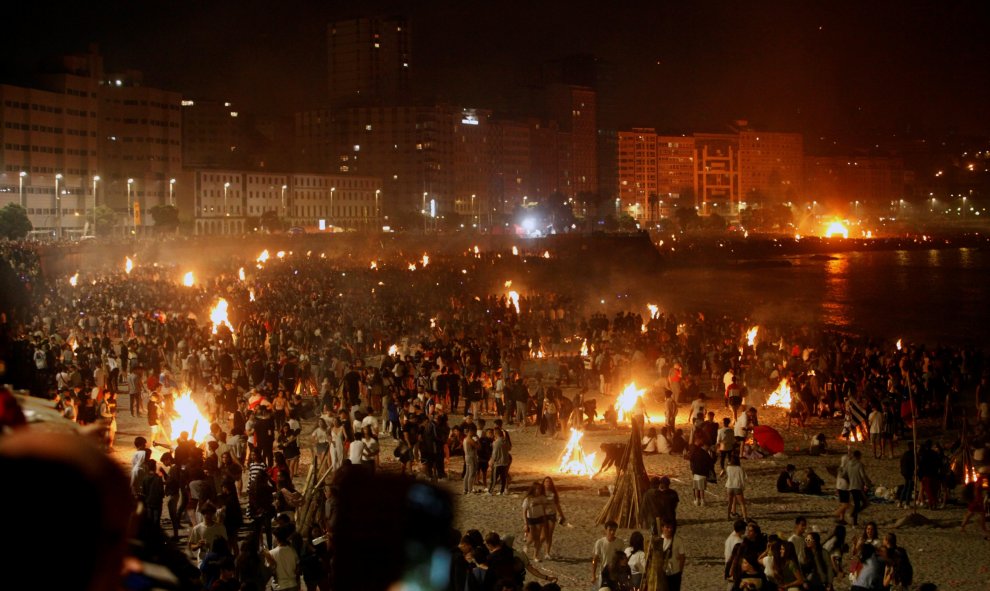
[[332, 216], [130, 205], [284, 212], [58, 208], [171, 192], [474, 217], [20, 188], [377, 193], [226, 186], [96, 179]]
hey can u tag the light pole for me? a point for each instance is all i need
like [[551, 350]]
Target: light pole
[[96, 179], [58, 208], [226, 187], [332, 189], [284, 212], [422, 211], [378, 192], [20, 187], [474, 218], [130, 205], [171, 192]]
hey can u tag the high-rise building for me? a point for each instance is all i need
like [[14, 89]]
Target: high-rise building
[[717, 174], [855, 183], [637, 173], [770, 166], [512, 163], [212, 135], [140, 146], [574, 109], [472, 166], [675, 173], [369, 61]]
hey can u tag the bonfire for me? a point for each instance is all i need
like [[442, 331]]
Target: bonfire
[[263, 257], [74, 280], [240, 273], [627, 401], [128, 265], [218, 316], [514, 300], [187, 417], [751, 336], [781, 397], [574, 460], [188, 279]]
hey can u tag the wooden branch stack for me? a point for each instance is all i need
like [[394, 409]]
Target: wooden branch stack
[[631, 482], [314, 497]]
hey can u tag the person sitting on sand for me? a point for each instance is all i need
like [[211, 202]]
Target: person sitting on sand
[[678, 444], [812, 483], [651, 445], [785, 480]]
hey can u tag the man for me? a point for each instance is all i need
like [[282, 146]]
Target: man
[[726, 442], [858, 482], [842, 488], [670, 410], [284, 561], [875, 419], [736, 537], [605, 548], [499, 462], [668, 502], [202, 534], [743, 424], [650, 506], [134, 392], [674, 548], [800, 526], [701, 464], [785, 480]]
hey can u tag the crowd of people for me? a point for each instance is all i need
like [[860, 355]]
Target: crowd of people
[[323, 357]]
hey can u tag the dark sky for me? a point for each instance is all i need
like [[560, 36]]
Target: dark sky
[[826, 67]]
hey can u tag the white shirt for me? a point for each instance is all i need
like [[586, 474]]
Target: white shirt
[[356, 451], [730, 543], [286, 567], [734, 477], [637, 561], [676, 548], [741, 427]]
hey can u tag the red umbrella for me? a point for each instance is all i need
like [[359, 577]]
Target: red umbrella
[[768, 438]]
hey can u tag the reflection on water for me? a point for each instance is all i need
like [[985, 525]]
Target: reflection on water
[[835, 306], [925, 296]]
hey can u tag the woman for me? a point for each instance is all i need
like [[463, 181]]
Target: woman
[[337, 435], [553, 511], [745, 568], [770, 560], [817, 567], [789, 575], [637, 559], [106, 410], [370, 451], [321, 441], [617, 576], [651, 446], [230, 470], [288, 444], [534, 515], [734, 483]]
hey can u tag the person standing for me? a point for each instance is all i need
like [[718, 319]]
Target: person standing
[[470, 446], [859, 481], [702, 464], [284, 560], [735, 482], [842, 488], [134, 391], [500, 463], [605, 548], [674, 549], [670, 411]]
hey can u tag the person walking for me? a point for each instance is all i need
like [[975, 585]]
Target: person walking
[[859, 481], [500, 463]]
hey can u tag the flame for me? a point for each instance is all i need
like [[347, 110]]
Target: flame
[[280, 254], [514, 300], [654, 310], [751, 336], [508, 283], [537, 354], [374, 265], [797, 237], [836, 229], [263, 257], [627, 400], [393, 350], [642, 328], [433, 322], [546, 254], [74, 280], [781, 397], [128, 265], [425, 260], [188, 279], [584, 348], [476, 251], [856, 435], [251, 294], [515, 251], [218, 315], [187, 417], [411, 266], [574, 460], [240, 273], [899, 343]]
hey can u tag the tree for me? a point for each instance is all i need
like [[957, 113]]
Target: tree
[[687, 217], [271, 222], [14, 222], [166, 217], [106, 220]]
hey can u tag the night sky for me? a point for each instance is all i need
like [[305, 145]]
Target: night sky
[[828, 67]]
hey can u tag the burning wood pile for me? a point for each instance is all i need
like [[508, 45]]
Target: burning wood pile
[[574, 460]]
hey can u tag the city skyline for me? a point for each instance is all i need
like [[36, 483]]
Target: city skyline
[[836, 69]]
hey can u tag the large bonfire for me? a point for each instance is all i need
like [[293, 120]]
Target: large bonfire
[[574, 460]]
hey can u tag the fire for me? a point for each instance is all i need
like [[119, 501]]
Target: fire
[[546, 254], [508, 283], [393, 350], [476, 251], [627, 400], [433, 322], [425, 260], [251, 294], [218, 315], [514, 300], [128, 265], [654, 310], [74, 280], [412, 266], [263, 257], [836, 229], [374, 265], [280, 254], [781, 397], [537, 354], [515, 251], [188, 279], [584, 348], [642, 328], [856, 435], [751, 336], [899, 343], [240, 273], [574, 460], [187, 417]]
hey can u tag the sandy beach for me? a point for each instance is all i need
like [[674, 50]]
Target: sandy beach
[[940, 553]]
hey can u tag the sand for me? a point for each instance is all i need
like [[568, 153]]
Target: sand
[[939, 553]]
